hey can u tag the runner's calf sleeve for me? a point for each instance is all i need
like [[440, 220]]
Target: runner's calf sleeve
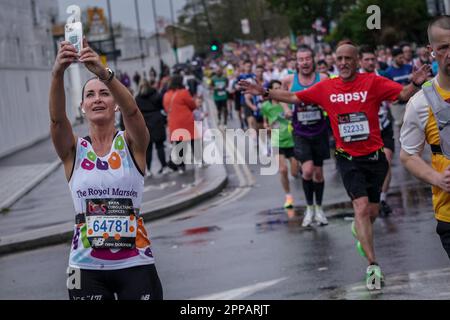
[[318, 190], [308, 188]]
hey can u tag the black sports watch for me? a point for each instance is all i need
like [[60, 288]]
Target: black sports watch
[[266, 93], [110, 76], [417, 85]]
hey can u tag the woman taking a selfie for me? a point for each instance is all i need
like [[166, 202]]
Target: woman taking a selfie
[[110, 253]]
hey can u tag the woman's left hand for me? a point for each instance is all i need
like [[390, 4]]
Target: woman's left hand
[[92, 61]]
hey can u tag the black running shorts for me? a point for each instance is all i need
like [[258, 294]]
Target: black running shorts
[[222, 104], [387, 134], [363, 176], [287, 152], [314, 148], [248, 112]]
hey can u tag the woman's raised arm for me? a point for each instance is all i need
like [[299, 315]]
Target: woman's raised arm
[[60, 127], [136, 131]]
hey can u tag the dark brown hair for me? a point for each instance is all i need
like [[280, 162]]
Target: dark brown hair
[[176, 82]]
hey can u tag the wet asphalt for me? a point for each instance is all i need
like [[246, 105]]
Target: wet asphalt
[[253, 249]]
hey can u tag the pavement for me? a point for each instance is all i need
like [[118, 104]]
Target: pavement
[[29, 218]]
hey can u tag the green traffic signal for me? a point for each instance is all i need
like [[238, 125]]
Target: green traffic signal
[[214, 47]]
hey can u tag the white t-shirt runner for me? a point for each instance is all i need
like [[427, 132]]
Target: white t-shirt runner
[[107, 193]]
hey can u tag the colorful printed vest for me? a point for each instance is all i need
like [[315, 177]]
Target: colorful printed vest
[[109, 234]]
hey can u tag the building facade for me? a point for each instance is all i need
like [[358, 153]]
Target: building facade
[[26, 59]]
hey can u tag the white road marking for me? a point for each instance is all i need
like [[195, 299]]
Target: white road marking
[[240, 293], [243, 173]]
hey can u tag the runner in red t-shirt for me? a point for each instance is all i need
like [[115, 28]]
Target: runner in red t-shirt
[[352, 102], [353, 109]]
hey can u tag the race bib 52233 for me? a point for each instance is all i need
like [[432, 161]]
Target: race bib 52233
[[353, 126]]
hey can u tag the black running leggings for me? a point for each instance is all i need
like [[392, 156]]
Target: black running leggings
[[135, 283], [159, 150]]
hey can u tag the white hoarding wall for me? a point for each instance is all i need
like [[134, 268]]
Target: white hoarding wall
[[26, 57]]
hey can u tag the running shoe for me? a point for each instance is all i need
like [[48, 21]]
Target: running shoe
[[164, 170], [289, 203], [385, 209], [320, 217], [309, 215], [374, 277], [199, 165]]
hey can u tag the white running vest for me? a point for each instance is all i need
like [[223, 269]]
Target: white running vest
[[110, 188]]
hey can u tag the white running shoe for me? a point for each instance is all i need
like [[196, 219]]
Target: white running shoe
[[309, 215], [320, 217], [165, 171], [148, 174]]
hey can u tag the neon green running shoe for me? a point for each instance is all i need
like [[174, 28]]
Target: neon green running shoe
[[360, 249], [354, 230], [289, 203], [374, 277]]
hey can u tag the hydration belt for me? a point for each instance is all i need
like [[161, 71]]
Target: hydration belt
[[371, 156], [441, 111], [436, 149]]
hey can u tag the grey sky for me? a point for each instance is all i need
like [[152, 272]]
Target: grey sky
[[123, 10]]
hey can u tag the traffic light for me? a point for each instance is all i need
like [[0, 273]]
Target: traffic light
[[214, 46]]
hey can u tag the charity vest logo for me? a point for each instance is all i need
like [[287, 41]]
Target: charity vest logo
[[349, 97], [97, 208]]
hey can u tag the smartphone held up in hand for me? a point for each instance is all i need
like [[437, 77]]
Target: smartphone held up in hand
[[74, 34], [74, 29]]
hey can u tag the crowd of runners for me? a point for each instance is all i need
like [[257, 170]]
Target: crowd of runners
[[359, 94], [304, 129]]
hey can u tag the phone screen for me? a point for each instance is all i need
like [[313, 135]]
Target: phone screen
[[74, 35]]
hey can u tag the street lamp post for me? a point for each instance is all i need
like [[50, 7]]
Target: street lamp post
[[194, 12], [157, 33], [139, 31], [174, 33], [208, 22], [111, 32]]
